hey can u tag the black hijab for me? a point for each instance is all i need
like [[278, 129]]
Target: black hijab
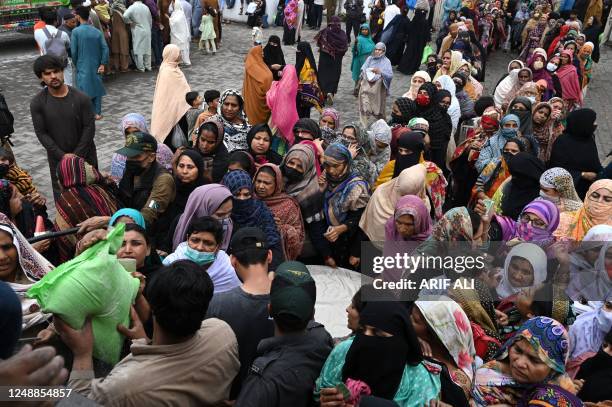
[[219, 154], [273, 54], [592, 34], [308, 125], [413, 141], [597, 375], [270, 156], [440, 125], [304, 51], [182, 189], [380, 361], [524, 186], [408, 110], [525, 115]]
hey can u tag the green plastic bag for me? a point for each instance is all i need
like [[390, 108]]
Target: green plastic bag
[[92, 284], [427, 51]]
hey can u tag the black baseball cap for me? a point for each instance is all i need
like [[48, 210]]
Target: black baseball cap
[[248, 238], [138, 143], [293, 292]]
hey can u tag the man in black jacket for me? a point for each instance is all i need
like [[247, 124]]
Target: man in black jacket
[[289, 363]]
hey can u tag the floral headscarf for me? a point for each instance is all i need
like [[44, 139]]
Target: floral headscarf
[[333, 113], [561, 180], [452, 326], [235, 134], [455, 224]]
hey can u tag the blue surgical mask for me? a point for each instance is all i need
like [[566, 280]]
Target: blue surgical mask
[[551, 67], [200, 258]]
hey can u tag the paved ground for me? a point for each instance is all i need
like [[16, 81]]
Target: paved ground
[[133, 92]]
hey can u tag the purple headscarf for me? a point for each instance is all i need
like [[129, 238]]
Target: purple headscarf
[[203, 201], [543, 209], [414, 206]]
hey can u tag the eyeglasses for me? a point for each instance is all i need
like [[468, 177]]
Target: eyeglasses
[[535, 221]]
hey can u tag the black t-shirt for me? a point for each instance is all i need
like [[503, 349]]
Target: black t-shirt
[[248, 316]]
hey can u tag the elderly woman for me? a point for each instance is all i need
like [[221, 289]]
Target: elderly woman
[[380, 139], [358, 143], [534, 357], [509, 86], [376, 76], [269, 187], [417, 79], [524, 266], [230, 113], [410, 220], [346, 196]]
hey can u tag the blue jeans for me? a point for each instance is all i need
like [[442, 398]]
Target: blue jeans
[[196, 18]]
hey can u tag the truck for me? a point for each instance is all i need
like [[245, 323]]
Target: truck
[[20, 15]]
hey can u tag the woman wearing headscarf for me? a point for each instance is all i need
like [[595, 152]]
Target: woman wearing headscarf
[[410, 220], [375, 360], [512, 65], [309, 93], [493, 146], [269, 185], [379, 137], [207, 200], [557, 186], [534, 356], [451, 61], [84, 194], [21, 270], [589, 279], [188, 174], [418, 78], [169, 105], [570, 80], [523, 258], [259, 139], [596, 372], [537, 64], [120, 39], [299, 168], [281, 99], [273, 56], [358, 143], [376, 76], [250, 212], [241, 160], [495, 172], [454, 110], [127, 215], [445, 327], [440, 124], [209, 143], [257, 81], [417, 37], [592, 30], [596, 210], [507, 89], [587, 333], [521, 108], [363, 47], [382, 205], [180, 31], [542, 129], [345, 198], [410, 152], [230, 113], [332, 45], [466, 104], [330, 119], [586, 65], [522, 187], [402, 110], [576, 149], [534, 37]]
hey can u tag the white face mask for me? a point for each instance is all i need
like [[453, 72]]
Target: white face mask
[[538, 65], [532, 99], [551, 67]]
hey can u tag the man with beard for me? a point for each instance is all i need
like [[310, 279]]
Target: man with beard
[[62, 116]]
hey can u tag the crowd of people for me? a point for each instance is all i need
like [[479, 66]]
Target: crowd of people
[[181, 276]]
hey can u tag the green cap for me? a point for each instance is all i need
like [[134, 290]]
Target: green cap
[[138, 143], [293, 291]]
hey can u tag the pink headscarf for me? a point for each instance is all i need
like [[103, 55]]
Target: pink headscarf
[[281, 99], [568, 76], [317, 163], [414, 206]]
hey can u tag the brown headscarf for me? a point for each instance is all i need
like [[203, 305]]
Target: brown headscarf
[[257, 81]]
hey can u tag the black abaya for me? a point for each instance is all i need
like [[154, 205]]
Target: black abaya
[[415, 43], [329, 72], [394, 37]]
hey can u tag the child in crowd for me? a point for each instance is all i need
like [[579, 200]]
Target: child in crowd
[[194, 100], [207, 39], [257, 33]]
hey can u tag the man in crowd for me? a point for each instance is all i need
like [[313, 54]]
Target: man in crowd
[[245, 308], [139, 18], [89, 53], [289, 363], [59, 41], [62, 116], [447, 42], [145, 185], [188, 360]]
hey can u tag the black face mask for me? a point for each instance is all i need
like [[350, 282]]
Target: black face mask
[[4, 169], [134, 167], [397, 119], [292, 174]]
